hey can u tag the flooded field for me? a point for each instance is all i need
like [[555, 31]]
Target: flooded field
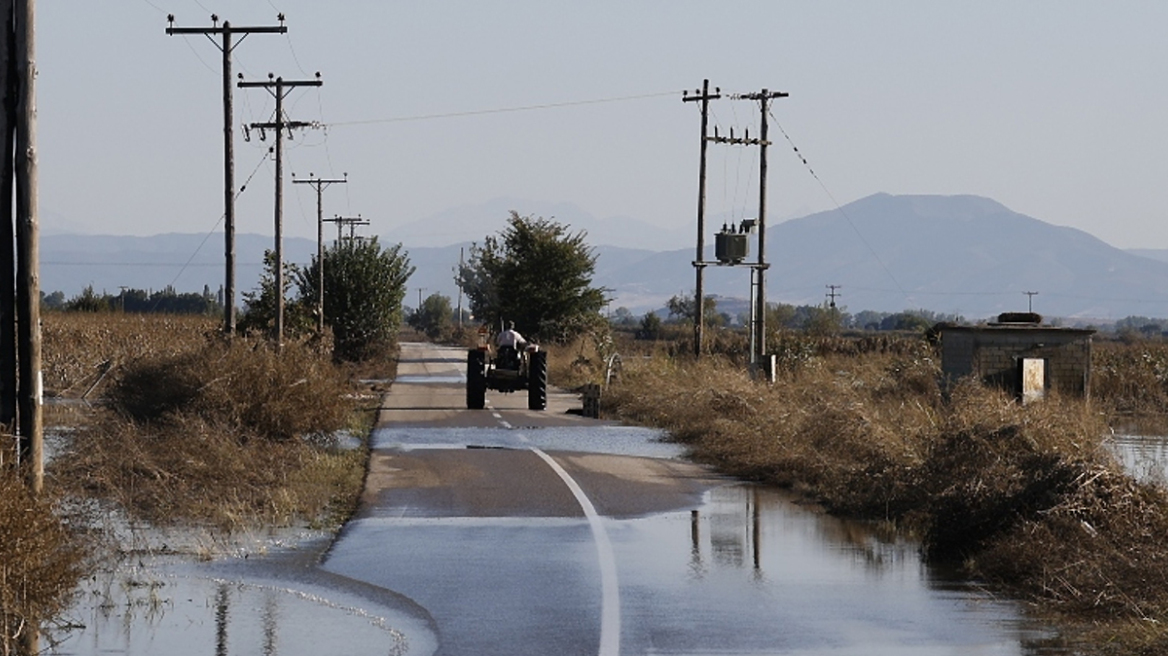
[[1143, 456]]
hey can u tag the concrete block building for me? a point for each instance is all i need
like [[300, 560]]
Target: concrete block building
[[1024, 357]]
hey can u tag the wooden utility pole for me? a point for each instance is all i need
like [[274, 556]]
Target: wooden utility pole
[[832, 294], [20, 319], [764, 98], [320, 184], [704, 96], [9, 85], [1030, 301], [227, 31], [459, 279], [351, 221], [279, 89], [28, 301]]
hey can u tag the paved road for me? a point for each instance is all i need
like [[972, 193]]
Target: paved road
[[497, 516]]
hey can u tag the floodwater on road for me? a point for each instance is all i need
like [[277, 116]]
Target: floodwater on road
[[745, 571], [742, 571]]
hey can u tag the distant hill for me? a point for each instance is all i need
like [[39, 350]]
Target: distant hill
[[71, 262], [960, 254], [950, 254]]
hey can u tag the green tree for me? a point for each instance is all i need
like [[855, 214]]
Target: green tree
[[364, 285], [260, 313], [622, 316], [88, 301], [537, 274], [683, 308], [434, 316], [823, 321], [650, 326]]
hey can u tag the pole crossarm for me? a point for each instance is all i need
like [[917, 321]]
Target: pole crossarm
[[226, 29], [764, 95], [351, 221], [719, 263], [740, 141]]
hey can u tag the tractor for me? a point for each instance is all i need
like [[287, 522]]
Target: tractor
[[506, 369]]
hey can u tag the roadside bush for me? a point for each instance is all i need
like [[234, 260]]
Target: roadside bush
[[243, 384], [229, 433], [191, 470]]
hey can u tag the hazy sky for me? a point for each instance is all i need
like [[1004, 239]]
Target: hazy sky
[[1057, 109]]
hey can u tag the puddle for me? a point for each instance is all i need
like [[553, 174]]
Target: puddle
[[158, 606], [426, 379], [615, 440]]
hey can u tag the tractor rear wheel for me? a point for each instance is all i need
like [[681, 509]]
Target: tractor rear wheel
[[476, 381]]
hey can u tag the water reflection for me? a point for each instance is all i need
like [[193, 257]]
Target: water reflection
[[752, 571], [177, 608], [735, 516], [1143, 456]]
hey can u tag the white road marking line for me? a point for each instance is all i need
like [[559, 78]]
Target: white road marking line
[[610, 617]]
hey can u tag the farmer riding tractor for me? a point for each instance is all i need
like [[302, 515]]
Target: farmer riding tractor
[[514, 365]]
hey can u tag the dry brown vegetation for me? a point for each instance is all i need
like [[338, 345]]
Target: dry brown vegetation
[[187, 428], [219, 431], [1027, 498], [41, 560]]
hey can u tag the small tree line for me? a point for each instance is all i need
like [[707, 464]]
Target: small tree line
[[136, 301]]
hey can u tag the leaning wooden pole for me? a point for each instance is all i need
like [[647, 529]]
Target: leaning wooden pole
[[8, 92], [28, 301]]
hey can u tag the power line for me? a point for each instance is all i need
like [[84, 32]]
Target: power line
[[838, 207], [502, 110]]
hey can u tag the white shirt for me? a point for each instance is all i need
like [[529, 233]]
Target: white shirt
[[510, 338]]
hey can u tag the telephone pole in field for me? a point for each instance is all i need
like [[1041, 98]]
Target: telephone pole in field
[[832, 294], [280, 88], [320, 184], [703, 96], [227, 31]]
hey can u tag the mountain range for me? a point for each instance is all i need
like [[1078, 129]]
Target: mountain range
[[966, 255]]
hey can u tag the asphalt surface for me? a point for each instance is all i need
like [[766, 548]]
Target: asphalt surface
[[487, 480]]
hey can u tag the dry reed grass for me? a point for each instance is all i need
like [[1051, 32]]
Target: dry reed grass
[[78, 345], [1130, 381], [228, 433], [41, 560], [1026, 497]]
